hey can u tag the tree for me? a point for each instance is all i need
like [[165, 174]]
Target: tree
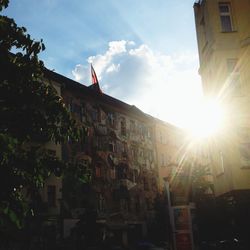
[[160, 230], [206, 217], [31, 114]]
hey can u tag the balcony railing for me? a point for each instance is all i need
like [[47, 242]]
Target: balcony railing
[[126, 183]]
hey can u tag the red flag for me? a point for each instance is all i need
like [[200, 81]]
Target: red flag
[[93, 76], [95, 83]]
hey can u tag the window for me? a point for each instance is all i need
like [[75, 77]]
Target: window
[[161, 138], [244, 134], [162, 160], [135, 175], [140, 130], [225, 17], [83, 113], [232, 65], [94, 114], [138, 205], [112, 146], [134, 152], [154, 182], [145, 184], [222, 161], [124, 205], [96, 142], [244, 146], [220, 167], [51, 189], [70, 104], [122, 171], [149, 133], [151, 155], [111, 119], [112, 173], [124, 149], [244, 149], [234, 76], [236, 85], [132, 126], [123, 126], [77, 109], [141, 152], [149, 204], [143, 131], [101, 203], [167, 160], [98, 172]]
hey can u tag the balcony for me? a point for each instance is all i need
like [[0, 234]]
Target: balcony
[[125, 183]]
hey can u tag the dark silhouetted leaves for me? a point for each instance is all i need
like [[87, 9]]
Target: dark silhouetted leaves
[[32, 113]]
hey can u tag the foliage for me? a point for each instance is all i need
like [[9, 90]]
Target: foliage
[[76, 186], [203, 196], [160, 230], [200, 184], [32, 113]]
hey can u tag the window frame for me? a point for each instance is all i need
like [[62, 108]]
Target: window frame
[[111, 119], [123, 126], [234, 76], [226, 14], [112, 146], [244, 145]]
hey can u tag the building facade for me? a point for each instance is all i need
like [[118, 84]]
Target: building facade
[[175, 164], [119, 148], [174, 161], [223, 35], [51, 194], [168, 148]]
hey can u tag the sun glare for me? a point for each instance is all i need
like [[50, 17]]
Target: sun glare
[[208, 120]]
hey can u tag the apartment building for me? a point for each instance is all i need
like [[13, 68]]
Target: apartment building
[[223, 35], [173, 160], [119, 148], [51, 194]]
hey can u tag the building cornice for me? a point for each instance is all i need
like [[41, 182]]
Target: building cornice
[[84, 91]]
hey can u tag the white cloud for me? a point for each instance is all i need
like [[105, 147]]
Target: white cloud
[[113, 68], [116, 47], [166, 86], [81, 73]]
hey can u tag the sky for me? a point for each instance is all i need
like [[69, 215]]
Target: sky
[[144, 52]]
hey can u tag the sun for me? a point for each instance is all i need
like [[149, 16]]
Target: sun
[[207, 120]]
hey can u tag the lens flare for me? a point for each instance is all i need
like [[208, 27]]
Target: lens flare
[[208, 120]]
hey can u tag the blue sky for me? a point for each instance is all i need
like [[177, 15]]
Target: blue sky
[[144, 51]]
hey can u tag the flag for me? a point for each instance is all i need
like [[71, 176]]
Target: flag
[[93, 76], [95, 83]]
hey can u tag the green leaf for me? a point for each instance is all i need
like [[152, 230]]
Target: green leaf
[[31, 114], [13, 216], [3, 4]]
